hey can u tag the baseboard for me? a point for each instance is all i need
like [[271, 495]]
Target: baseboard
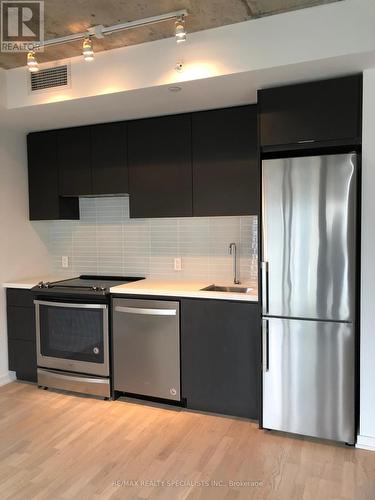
[[365, 443], [7, 378]]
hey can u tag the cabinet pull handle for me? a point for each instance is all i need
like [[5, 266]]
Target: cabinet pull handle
[[306, 140]]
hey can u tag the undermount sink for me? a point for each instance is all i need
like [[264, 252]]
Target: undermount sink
[[233, 289]]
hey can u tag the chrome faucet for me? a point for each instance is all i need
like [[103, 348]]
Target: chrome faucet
[[233, 251]]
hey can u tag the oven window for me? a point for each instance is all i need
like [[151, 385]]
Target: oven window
[[72, 333]]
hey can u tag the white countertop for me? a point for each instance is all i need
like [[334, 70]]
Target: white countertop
[[192, 289], [167, 288], [28, 283]]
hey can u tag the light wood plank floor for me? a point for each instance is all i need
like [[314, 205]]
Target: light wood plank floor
[[55, 445]]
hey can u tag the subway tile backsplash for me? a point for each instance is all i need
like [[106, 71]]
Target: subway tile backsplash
[[107, 241]]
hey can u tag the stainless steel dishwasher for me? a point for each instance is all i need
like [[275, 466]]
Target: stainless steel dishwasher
[[146, 347]]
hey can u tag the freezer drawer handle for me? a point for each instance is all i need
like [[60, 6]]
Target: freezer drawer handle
[[266, 346], [265, 294], [149, 312]]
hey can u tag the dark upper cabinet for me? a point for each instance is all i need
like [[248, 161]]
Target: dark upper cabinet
[[198, 164], [159, 162], [44, 200], [109, 159], [316, 112], [225, 162], [92, 160], [221, 356], [74, 159]]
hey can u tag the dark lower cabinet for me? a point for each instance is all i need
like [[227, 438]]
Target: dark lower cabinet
[[159, 162], [22, 359], [21, 334], [21, 323], [220, 356], [226, 169]]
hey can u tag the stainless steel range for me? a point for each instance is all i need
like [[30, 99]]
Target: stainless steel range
[[72, 333]]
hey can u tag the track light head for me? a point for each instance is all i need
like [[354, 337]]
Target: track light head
[[87, 49], [180, 30], [32, 62]]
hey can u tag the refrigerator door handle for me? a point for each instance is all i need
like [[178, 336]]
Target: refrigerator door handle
[[266, 345], [265, 294]]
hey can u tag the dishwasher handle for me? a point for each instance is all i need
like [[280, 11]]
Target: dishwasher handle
[[143, 311]]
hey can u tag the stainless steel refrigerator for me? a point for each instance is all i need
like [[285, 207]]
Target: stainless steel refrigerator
[[308, 295]]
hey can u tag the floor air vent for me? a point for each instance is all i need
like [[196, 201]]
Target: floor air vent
[[49, 78]]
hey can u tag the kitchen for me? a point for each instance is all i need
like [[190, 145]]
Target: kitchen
[[194, 253]]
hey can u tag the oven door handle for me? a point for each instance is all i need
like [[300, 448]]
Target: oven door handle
[[67, 304]]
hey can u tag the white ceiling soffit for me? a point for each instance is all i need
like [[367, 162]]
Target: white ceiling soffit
[[210, 93]]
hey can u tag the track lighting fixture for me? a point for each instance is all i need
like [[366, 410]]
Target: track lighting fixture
[[102, 31], [87, 49], [180, 30], [32, 62]]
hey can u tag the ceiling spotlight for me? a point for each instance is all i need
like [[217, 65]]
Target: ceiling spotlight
[[180, 30], [179, 66], [87, 49], [32, 62]]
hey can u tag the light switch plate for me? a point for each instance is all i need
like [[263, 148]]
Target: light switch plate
[[65, 261], [177, 264]]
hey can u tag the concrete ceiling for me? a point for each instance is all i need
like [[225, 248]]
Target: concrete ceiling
[[63, 17]]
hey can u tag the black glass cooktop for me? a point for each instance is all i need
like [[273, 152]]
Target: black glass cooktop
[[93, 284]]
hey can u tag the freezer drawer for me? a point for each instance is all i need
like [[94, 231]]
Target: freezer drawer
[[146, 348], [308, 378]]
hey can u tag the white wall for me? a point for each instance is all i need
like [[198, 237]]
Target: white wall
[[2, 89], [22, 253], [367, 411]]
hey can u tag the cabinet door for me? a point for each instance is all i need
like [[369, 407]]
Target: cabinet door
[[22, 359], [220, 356], [44, 200], [108, 156], [159, 160], [21, 334], [225, 162], [74, 160], [19, 297], [21, 323], [321, 111]]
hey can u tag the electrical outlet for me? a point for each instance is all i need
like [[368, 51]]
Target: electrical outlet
[[177, 264], [65, 261]]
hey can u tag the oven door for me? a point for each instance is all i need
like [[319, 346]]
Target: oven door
[[72, 337]]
